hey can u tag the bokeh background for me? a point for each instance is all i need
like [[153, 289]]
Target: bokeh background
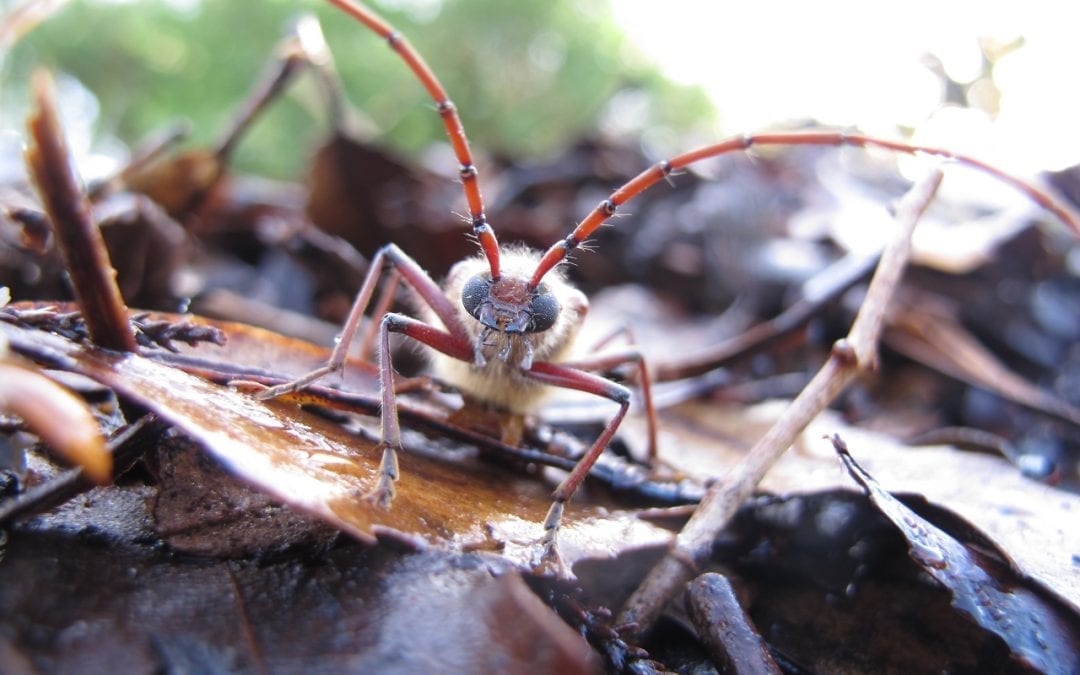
[[991, 79]]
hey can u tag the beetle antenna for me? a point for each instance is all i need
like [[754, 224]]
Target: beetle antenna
[[662, 170], [448, 112]]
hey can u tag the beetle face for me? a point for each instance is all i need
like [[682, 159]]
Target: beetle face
[[508, 305]]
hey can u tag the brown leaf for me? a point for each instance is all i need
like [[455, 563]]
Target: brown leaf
[[84, 607], [180, 184], [370, 198], [313, 465], [200, 508], [1039, 632]]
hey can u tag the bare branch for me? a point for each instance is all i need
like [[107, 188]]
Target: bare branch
[[849, 358]]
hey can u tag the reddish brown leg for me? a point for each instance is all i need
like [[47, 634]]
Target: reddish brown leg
[[549, 373], [573, 378], [415, 277], [390, 443], [615, 358], [600, 362], [453, 342], [382, 308], [390, 427]]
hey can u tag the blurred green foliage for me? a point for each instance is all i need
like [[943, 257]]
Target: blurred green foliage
[[528, 77]]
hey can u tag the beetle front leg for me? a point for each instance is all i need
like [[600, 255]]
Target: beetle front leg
[[341, 349], [390, 436], [390, 428], [418, 280], [601, 362], [453, 342], [572, 378]]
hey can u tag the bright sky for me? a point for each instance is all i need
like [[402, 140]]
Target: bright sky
[[860, 64]]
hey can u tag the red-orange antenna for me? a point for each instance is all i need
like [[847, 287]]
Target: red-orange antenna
[[484, 234], [606, 209]]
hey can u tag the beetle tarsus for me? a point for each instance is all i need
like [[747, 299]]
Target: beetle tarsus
[[382, 495]]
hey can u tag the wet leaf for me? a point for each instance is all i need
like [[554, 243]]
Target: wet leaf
[[827, 581], [85, 607], [313, 465], [200, 508], [1039, 632]]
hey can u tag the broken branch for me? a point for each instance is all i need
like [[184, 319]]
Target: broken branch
[[850, 357]]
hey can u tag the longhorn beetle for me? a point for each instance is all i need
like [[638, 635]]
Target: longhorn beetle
[[508, 317]]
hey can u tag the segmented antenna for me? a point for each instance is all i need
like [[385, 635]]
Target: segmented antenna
[[448, 112], [607, 208]]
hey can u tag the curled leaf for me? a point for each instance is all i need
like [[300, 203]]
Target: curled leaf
[[86, 259], [1039, 631], [62, 421]]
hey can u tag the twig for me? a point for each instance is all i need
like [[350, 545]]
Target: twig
[[849, 357], [93, 278], [732, 640], [827, 287], [286, 64], [23, 18]]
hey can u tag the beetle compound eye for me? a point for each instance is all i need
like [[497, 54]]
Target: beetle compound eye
[[544, 310], [476, 290]]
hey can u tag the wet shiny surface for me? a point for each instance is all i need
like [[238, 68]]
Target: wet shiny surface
[[1037, 631], [314, 465]]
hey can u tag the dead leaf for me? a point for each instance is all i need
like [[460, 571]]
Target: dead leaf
[[82, 606], [1038, 631], [313, 465], [927, 332], [1034, 523]]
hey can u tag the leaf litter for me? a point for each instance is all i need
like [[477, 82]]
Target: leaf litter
[[456, 501], [315, 466]]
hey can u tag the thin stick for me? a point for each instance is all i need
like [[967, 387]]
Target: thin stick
[[849, 358], [86, 259], [288, 61], [23, 18], [839, 278]]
